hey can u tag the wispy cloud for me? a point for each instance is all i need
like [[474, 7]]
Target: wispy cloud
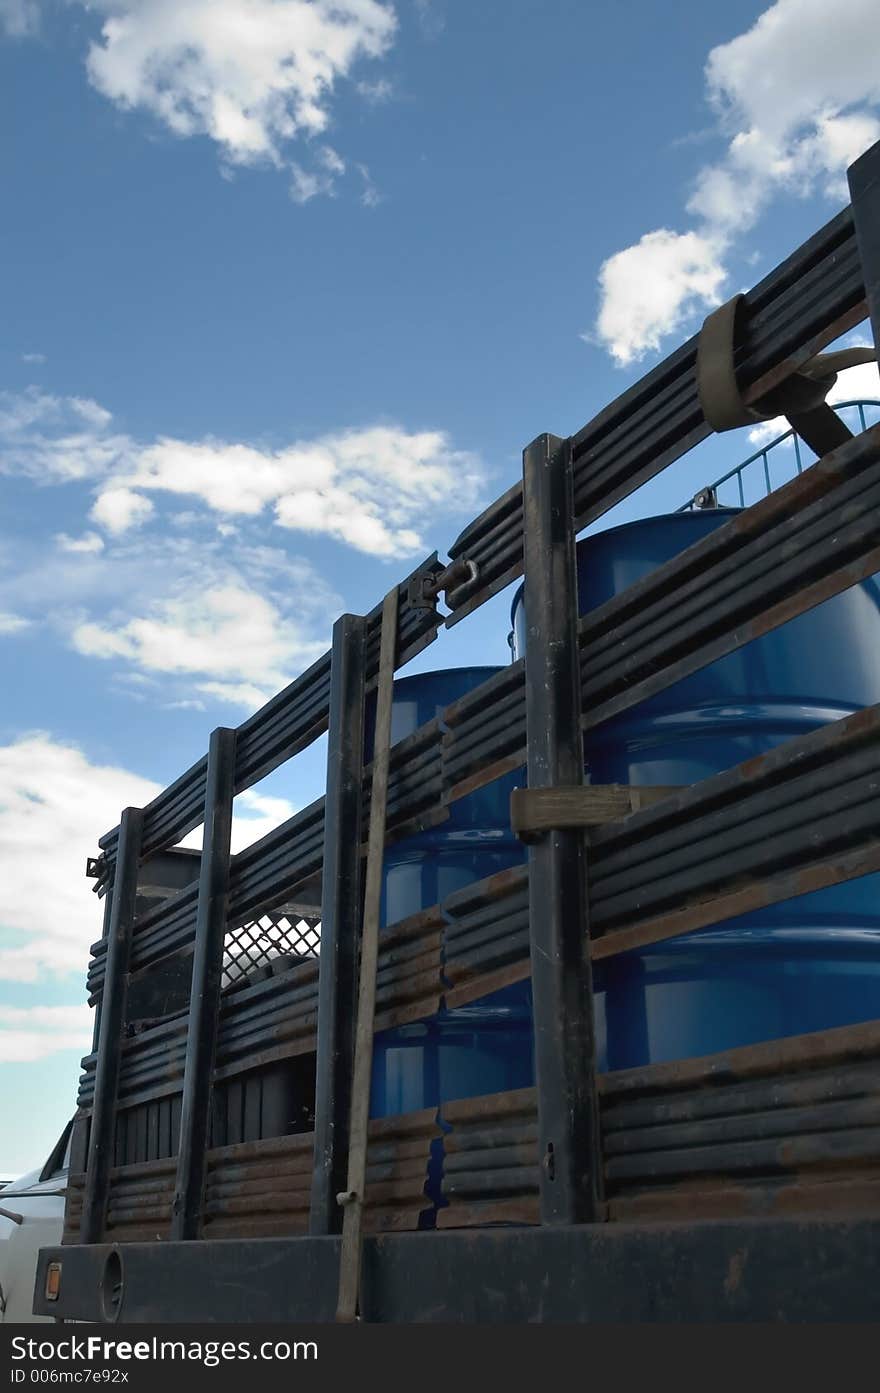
[[239, 640], [796, 99], [181, 615], [371, 488], [29, 1033], [12, 623], [19, 18], [53, 439], [88, 543], [257, 77]]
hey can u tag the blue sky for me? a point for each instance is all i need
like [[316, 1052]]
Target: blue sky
[[287, 286]]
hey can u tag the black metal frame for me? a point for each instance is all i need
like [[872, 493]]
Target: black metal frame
[[747, 1270], [119, 936], [337, 999], [582, 896], [207, 971]]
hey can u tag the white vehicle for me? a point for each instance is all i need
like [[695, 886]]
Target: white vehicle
[[31, 1218]]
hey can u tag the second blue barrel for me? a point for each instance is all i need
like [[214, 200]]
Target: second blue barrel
[[485, 1047], [806, 964]]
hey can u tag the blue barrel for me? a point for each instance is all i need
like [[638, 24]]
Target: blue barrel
[[806, 964], [485, 1047]]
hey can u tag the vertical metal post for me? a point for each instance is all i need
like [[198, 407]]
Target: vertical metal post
[[864, 190], [105, 934], [204, 1006], [565, 1052], [340, 921], [113, 1004], [355, 1192]]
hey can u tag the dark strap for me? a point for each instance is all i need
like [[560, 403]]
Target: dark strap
[[720, 397], [801, 397]]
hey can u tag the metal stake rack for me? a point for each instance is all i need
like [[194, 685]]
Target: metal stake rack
[[738, 1186]]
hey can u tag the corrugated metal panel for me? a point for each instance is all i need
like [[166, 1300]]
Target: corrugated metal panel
[[261, 1189], [486, 941], [490, 1160]]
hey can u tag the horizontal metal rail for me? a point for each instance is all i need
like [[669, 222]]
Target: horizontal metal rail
[[755, 1129], [799, 818], [788, 1126], [808, 541], [783, 1127], [803, 816], [262, 1188]]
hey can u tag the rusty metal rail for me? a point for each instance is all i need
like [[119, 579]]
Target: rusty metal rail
[[813, 538], [801, 817], [786, 1127]]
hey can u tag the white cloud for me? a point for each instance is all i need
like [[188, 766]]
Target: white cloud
[[36, 358], [88, 543], [256, 815], [54, 805], [19, 18], [252, 75], [379, 91], [372, 488], [861, 383], [796, 99], [28, 1033], [12, 623], [243, 694], [228, 632], [118, 509], [647, 290], [182, 607], [54, 439], [370, 195], [800, 58]]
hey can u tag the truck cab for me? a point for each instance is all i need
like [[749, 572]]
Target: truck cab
[[31, 1216]]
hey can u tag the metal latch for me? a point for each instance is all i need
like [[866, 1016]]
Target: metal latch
[[425, 588]]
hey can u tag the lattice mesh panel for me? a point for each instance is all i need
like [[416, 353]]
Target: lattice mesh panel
[[289, 931]]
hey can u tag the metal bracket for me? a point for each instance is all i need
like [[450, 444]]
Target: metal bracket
[[534, 811], [706, 498], [424, 589]]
